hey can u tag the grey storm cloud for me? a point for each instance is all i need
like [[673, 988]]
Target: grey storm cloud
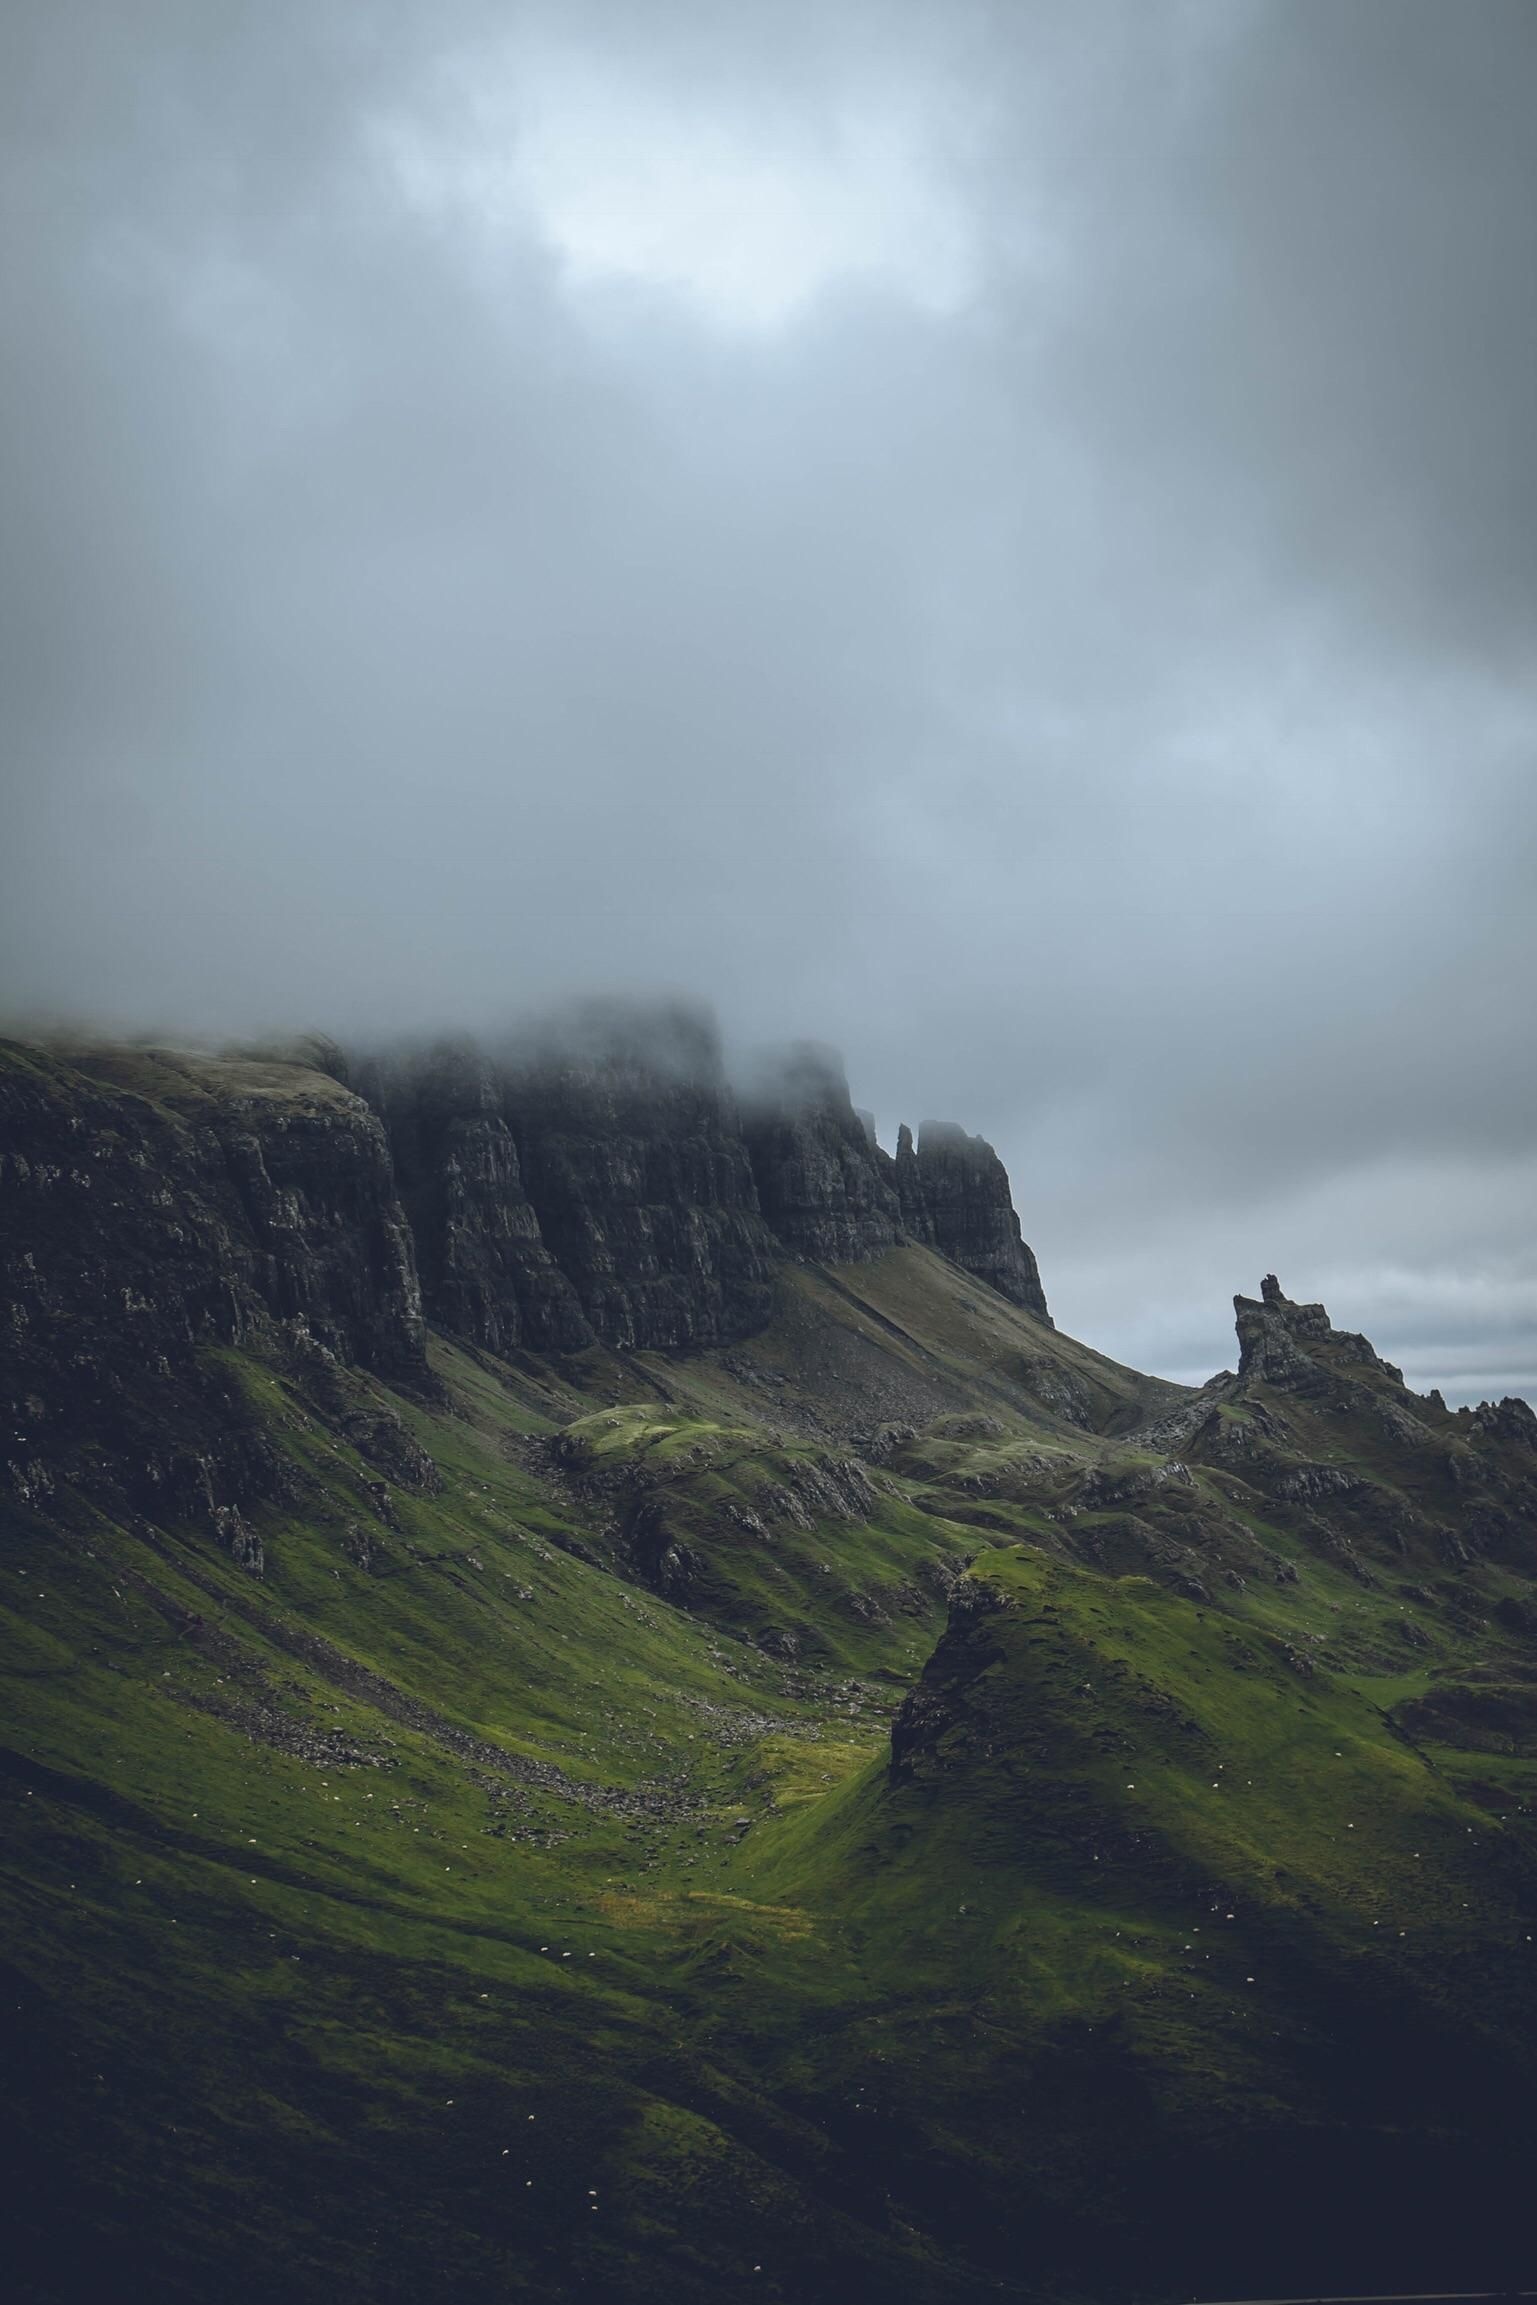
[[1001, 537]]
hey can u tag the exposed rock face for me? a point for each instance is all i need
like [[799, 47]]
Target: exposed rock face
[[1280, 1342], [821, 1179], [315, 1188], [963, 1199], [1510, 1419], [1325, 1431], [942, 1709], [154, 1204], [595, 1188], [634, 1160], [486, 1271], [599, 1186], [953, 1193], [604, 1185], [917, 1223], [201, 1198]]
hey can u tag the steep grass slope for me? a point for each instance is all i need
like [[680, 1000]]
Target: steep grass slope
[[578, 1828], [340, 1905]]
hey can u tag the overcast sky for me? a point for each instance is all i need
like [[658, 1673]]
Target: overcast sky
[[1000, 536]]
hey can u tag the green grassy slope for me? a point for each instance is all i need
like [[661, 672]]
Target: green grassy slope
[[294, 1863], [1160, 1932], [904, 1339], [519, 1888]]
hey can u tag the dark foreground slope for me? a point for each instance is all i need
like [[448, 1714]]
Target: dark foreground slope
[[571, 1825]]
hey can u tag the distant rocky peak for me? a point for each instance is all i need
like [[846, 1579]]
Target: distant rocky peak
[[1510, 1419], [1296, 1346]]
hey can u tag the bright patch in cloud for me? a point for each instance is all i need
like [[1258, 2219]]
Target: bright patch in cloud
[[747, 215]]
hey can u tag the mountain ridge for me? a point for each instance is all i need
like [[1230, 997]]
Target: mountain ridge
[[881, 1801]]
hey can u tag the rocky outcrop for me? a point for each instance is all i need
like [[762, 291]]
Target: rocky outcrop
[[821, 1178], [965, 1205], [590, 1186], [1295, 1348], [941, 1711], [154, 1205], [178, 1199], [602, 1183], [599, 1184], [1510, 1419], [486, 1271], [917, 1222], [634, 1159], [953, 1194]]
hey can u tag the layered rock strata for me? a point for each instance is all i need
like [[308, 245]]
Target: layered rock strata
[[486, 1271], [156, 1207], [822, 1180], [968, 1214], [606, 1185]]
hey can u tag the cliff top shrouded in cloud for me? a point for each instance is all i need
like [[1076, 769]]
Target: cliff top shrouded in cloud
[[1005, 539]]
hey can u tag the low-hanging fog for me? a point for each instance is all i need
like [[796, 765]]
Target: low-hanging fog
[[1001, 537]]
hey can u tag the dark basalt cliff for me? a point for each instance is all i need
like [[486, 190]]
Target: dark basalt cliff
[[608, 1187], [603, 1189], [153, 1206], [634, 1159], [598, 1189], [821, 1179], [177, 1200], [486, 1272], [968, 1215], [1280, 1342]]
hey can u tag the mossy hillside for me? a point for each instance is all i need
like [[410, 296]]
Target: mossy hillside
[[358, 1800], [1411, 1538], [1414, 1580], [1446, 1660], [900, 1340], [787, 1543], [447, 1805], [1123, 1833]]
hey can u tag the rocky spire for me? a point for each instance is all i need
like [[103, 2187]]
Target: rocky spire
[[916, 1220], [1295, 1346]]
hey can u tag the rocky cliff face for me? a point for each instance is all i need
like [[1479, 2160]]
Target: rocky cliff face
[[203, 1200], [592, 1189], [963, 1195], [823, 1183], [603, 1187], [917, 1222], [606, 1186], [1294, 1346], [155, 1205], [634, 1158], [486, 1271]]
